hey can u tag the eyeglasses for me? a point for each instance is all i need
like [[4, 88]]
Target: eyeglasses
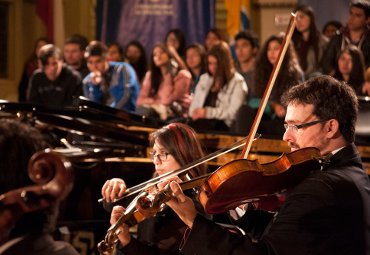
[[161, 156], [295, 128]]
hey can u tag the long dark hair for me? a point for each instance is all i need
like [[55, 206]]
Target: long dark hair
[[290, 72], [202, 53], [179, 34], [357, 75], [156, 75], [225, 67], [141, 66], [313, 39], [182, 143]]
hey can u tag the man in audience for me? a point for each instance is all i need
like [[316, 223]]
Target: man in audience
[[74, 50], [356, 32], [246, 49], [55, 84], [110, 83]]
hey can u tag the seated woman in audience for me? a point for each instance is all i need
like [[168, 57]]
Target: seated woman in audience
[[350, 68], [196, 62], [309, 43], [161, 234], [214, 36], [136, 57], [29, 67], [331, 28], [165, 91], [220, 92], [289, 75], [175, 42], [115, 52]]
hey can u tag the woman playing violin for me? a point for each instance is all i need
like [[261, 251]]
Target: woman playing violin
[[32, 231], [173, 146], [326, 213]]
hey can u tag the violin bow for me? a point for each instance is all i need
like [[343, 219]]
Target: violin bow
[[270, 85]]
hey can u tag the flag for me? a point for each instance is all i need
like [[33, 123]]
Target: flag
[[237, 16]]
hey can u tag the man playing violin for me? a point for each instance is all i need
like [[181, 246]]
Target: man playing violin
[[174, 145], [326, 213]]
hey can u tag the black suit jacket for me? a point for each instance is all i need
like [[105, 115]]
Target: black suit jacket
[[327, 213]]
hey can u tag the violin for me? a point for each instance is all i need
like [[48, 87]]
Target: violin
[[53, 176], [243, 180], [143, 206]]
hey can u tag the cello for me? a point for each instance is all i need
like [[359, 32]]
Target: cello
[[53, 177]]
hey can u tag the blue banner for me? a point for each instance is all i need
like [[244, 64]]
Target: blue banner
[[148, 21]]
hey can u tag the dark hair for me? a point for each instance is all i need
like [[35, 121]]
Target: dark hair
[[289, 75], [314, 37], [342, 106], [156, 74], [225, 66], [18, 142], [96, 48], [78, 39], [119, 48], [357, 75], [334, 23], [182, 143], [142, 65], [47, 51], [218, 32], [362, 4], [179, 34], [202, 53], [249, 36]]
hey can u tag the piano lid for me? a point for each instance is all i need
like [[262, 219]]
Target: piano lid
[[76, 121]]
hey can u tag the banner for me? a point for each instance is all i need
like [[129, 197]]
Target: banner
[[148, 21], [238, 12]]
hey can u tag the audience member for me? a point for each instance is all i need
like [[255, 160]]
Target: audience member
[[165, 90], [331, 28], [32, 233], [356, 32], [55, 84], [175, 43], [309, 43], [111, 83], [290, 73], [219, 94], [196, 62], [214, 36], [136, 57], [350, 68], [176, 38], [29, 67], [115, 52], [74, 50], [246, 49]]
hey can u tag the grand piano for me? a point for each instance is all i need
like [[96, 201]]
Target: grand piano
[[103, 142]]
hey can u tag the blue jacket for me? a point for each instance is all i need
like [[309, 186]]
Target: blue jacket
[[119, 88]]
